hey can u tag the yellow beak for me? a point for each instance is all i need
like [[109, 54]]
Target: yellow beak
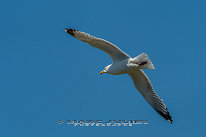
[[101, 72]]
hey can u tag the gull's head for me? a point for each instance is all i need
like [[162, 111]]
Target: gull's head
[[106, 69]]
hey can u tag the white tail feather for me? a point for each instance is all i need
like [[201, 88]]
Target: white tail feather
[[143, 58]]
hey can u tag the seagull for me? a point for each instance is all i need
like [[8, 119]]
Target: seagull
[[124, 64]]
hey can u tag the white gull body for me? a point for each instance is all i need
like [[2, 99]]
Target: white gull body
[[124, 64]]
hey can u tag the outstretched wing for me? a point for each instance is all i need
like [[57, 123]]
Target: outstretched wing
[[113, 51], [144, 86]]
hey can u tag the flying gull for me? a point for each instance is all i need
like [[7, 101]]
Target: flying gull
[[124, 64]]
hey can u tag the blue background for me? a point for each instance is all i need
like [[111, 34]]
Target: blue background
[[47, 75]]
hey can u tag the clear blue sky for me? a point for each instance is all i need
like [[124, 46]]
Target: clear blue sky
[[47, 75]]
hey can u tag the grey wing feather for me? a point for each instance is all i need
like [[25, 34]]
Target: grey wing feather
[[144, 86], [113, 51]]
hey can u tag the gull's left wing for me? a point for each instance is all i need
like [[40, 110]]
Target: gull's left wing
[[113, 51], [144, 86]]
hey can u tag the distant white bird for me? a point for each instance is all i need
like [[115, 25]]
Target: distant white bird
[[124, 64]]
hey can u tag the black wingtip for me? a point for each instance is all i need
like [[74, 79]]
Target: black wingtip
[[70, 31], [166, 116]]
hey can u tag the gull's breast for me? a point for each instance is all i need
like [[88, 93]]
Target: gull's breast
[[120, 67]]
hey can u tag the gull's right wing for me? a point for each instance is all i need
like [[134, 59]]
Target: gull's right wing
[[113, 51]]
